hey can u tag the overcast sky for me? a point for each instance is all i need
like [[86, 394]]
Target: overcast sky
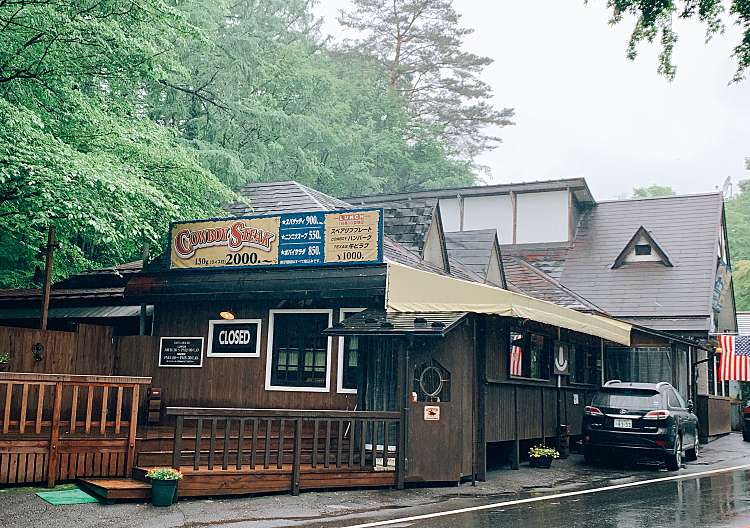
[[583, 109]]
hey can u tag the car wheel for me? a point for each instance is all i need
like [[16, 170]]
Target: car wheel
[[674, 460], [746, 437], [588, 455], [692, 454]]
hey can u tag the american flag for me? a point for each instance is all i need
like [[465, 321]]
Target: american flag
[[735, 357], [516, 356]]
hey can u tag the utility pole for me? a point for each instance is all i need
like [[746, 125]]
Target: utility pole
[[142, 319], [49, 251]]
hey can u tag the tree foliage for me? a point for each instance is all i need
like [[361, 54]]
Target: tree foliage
[[119, 116], [75, 147], [654, 19], [419, 45], [653, 191], [738, 228]]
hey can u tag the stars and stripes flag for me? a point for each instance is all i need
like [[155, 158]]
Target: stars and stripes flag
[[735, 357], [516, 355]]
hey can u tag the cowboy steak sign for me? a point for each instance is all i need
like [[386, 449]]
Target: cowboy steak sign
[[297, 239]]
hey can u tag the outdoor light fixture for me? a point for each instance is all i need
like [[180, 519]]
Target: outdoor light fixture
[[226, 314]]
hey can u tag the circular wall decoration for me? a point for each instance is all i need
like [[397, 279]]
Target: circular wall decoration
[[431, 381]]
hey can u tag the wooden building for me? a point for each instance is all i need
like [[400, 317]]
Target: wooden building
[[291, 360]]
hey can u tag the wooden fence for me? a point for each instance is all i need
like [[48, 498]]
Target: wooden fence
[[330, 444], [59, 426]]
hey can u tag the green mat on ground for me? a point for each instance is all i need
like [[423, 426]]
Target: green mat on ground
[[66, 496]]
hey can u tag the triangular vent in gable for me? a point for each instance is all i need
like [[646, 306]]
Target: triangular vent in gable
[[642, 247]]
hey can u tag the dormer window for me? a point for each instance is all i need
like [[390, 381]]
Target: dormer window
[[642, 248]]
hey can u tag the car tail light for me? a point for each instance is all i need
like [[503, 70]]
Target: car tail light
[[661, 443], [747, 410], [592, 411], [656, 415]]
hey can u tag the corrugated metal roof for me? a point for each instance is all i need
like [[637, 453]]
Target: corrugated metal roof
[[686, 226], [76, 312], [743, 323], [379, 322]]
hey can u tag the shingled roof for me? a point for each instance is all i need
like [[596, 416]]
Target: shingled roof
[[283, 197], [475, 250], [525, 278], [650, 293]]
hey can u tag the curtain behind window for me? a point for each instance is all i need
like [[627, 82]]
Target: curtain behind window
[[639, 364]]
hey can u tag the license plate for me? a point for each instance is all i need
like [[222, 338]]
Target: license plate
[[623, 424]]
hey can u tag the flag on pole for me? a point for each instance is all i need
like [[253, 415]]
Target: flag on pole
[[735, 357], [516, 355]]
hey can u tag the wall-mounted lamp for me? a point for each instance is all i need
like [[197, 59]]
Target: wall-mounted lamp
[[226, 315]]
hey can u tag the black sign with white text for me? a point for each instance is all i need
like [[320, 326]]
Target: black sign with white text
[[181, 352], [238, 338]]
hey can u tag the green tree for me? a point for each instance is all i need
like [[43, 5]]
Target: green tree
[[419, 44], [652, 191], [272, 103], [654, 20], [76, 148]]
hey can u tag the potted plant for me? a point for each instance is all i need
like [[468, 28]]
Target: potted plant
[[163, 485], [4, 361], [542, 456]]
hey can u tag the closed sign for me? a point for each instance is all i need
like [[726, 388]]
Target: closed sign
[[238, 338]]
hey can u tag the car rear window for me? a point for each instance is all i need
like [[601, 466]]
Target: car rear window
[[629, 399]]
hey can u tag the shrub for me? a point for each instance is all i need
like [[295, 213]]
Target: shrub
[[163, 473]]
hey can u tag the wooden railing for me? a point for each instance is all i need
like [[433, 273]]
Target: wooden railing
[[262, 439], [59, 426]]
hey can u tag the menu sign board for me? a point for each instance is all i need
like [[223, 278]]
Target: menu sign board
[[298, 239], [237, 338], [181, 352]]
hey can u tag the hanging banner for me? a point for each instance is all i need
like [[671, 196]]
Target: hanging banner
[[298, 239]]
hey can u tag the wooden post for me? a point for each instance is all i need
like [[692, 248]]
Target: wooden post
[[54, 436], [142, 325], [297, 455], [48, 261], [132, 430], [402, 459], [514, 215], [515, 460], [177, 445]]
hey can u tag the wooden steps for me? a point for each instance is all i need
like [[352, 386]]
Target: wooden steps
[[116, 488], [204, 482]]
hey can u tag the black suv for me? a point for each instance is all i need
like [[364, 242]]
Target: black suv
[[647, 420]]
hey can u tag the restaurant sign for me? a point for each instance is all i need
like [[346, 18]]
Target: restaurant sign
[[297, 239]]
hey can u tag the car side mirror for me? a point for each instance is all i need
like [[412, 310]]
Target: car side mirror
[[691, 407]]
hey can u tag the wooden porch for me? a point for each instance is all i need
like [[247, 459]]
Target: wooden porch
[[57, 428]]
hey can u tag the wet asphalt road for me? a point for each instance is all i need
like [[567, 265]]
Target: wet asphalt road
[[715, 501]]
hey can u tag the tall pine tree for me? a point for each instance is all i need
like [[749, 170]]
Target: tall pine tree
[[419, 42]]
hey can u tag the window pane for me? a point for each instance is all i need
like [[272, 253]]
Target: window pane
[[299, 352], [350, 362], [539, 356], [516, 354]]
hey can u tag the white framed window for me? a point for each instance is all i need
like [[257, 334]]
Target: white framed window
[[235, 338], [298, 357], [348, 357]]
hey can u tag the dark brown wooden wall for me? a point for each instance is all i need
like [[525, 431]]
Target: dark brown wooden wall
[[88, 351], [230, 382], [532, 403], [433, 445]]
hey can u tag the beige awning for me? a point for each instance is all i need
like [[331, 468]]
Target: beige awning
[[412, 290]]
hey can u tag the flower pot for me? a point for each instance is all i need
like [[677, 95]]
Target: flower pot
[[543, 462], [163, 492]]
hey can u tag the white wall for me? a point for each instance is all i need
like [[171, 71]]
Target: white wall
[[451, 215], [542, 217]]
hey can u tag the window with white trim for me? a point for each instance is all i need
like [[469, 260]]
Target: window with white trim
[[298, 355], [348, 358]]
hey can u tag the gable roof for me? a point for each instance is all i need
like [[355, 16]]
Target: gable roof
[[283, 197], [529, 280], [405, 227], [688, 225], [474, 249], [642, 233]]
